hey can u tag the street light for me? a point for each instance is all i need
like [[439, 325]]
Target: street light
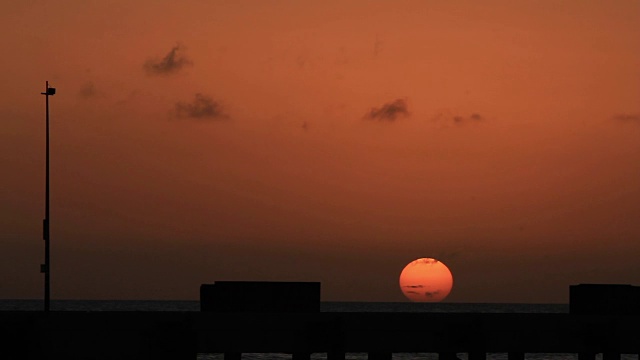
[[46, 267]]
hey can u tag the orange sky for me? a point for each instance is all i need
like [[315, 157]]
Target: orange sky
[[323, 141]]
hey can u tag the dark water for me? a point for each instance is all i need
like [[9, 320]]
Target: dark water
[[183, 305], [139, 305]]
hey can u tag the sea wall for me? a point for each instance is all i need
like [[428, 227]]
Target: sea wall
[[181, 335]]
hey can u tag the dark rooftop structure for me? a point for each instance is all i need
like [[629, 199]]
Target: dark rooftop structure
[[283, 317], [604, 299]]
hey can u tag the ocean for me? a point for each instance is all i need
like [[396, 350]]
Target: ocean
[[154, 305]]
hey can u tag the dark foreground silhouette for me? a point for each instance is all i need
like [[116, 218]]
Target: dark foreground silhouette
[[603, 319]]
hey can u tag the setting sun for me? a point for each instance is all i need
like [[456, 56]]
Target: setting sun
[[426, 280]]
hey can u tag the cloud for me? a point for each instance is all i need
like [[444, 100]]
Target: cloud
[[472, 118], [429, 261], [414, 286], [202, 107], [457, 118], [88, 90], [389, 111], [431, 294], [627, 117], [173, 62], [413, 292], [377, 46]]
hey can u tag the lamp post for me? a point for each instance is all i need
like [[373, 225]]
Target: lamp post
[[46, 267]]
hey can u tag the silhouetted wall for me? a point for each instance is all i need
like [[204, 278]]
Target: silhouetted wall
[[604, 299], [260, 296]]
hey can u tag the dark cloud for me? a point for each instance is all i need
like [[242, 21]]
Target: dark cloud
[[627, 117], [202, 107], [429, 261], [476, 117], [431, 294], [389, 111], [377, 45], [472, 118], [88, 90], [414, 286], [413, 292], [173, 62], [458, 119]]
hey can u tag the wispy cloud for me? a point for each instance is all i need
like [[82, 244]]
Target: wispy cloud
[[475, 117], [627, 117], [377, 46], [431, 294], [428, 261], [171, 63], [88, 90], [389, 111], [414, 286], [458, 119], [203, 107]]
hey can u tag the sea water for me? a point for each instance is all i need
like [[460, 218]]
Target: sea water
[[138, 305]]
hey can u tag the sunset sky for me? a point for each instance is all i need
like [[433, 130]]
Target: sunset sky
[[333, 141]]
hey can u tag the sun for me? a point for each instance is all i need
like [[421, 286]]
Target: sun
[[426, 280]]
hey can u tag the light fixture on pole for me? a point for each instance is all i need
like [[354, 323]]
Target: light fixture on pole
[[46, 267]]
